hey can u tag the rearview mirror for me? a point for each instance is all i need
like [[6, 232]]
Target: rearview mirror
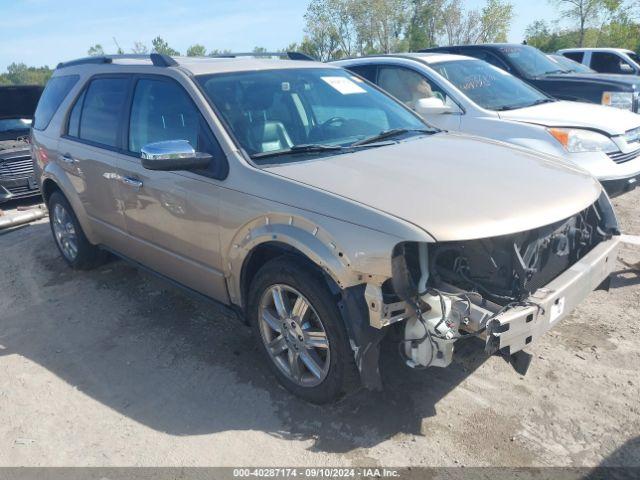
[[432, 106], [173, 155]]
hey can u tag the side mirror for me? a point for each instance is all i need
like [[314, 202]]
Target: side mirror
[[173, 155], [432, 106], [626, 68]]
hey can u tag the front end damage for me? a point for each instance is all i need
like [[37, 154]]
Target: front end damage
[[508, 290]]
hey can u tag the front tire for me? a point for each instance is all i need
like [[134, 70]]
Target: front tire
[[298, 328], [71, 241]]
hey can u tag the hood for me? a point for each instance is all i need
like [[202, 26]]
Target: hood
[[453, 186], [602, 78], [612, 121], [19, 101], [627, 82]]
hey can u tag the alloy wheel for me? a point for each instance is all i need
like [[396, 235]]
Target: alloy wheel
[[294, 335]]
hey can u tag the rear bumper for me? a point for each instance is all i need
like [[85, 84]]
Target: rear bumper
[[619, 186], [520, 326]]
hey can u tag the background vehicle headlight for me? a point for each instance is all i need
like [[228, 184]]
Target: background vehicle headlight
[[623, 100], [575, 140]]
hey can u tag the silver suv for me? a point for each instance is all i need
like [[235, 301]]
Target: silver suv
[[321, 209]]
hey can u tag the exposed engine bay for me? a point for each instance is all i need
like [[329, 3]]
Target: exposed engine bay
[[496, 288]]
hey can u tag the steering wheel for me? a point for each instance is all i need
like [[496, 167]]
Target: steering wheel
[[334, 122]]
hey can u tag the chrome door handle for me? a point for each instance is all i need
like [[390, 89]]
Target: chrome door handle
[[66, 158], [132, 182]]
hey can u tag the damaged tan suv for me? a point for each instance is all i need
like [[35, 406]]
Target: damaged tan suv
[[321, 209]]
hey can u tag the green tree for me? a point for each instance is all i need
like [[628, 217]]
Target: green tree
[[21, 74], [583, 13], [162, 47], [196, 50], [95, 50]]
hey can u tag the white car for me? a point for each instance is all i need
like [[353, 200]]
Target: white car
[[464, 94], [605, 60]]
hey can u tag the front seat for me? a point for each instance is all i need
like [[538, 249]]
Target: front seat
[[264, 135], [269, 136]]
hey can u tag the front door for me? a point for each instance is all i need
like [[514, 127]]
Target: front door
[[172, 217]]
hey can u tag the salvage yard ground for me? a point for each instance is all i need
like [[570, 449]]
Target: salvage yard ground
[[114, 367]]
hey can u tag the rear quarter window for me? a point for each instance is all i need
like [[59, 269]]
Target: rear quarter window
[[54, 93]]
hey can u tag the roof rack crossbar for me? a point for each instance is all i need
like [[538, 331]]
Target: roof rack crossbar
[[289, 55], [157, 59]]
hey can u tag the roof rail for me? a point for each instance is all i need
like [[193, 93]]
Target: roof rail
[[157, 59], [289, 55]]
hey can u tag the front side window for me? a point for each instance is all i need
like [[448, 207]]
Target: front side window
[[277, 110], [605, 62], [54, 93], [101, 114], [488, 86], [530, 61], [407, 85], [162, 110]]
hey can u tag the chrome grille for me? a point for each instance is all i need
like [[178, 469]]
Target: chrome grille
[[16, 167], [620, 157], [22, 190]]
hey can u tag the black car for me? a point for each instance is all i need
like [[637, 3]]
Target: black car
[[534, 67], [17, 105]]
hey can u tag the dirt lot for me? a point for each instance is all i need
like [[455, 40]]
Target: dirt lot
[[114, 367]]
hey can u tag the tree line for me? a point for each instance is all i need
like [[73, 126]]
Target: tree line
[[345, 28]]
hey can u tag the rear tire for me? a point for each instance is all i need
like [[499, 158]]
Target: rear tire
[[298, 328], [71, 241]]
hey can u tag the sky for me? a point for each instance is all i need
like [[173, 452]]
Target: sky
[[45, 32]]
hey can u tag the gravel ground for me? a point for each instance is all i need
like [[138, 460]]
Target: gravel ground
[[116, 368]]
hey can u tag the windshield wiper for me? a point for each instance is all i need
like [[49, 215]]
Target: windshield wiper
[[560, 70], [302, 148], [540, 102], [516, 107], [389, 133]]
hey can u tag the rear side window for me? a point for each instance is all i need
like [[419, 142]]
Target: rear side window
[[575, 56], [101, 112], [56, 90]]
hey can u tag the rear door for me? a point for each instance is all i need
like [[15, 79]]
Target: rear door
[[89, 153], [172, 217]]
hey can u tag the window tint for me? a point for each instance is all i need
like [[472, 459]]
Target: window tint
[[605, 62], [575, 56], [102, 110], [56, 90], [74, 117], [407, 85], [365, 71]]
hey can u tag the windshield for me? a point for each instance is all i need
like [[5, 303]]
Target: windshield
[[291, 110], [570, 65], [634, 57], [14, 124], [488, 86], [530, 61]]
